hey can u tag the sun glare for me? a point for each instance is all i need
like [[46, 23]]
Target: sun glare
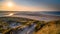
[[10, 14]]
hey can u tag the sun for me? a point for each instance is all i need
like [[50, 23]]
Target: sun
[[9, 4]]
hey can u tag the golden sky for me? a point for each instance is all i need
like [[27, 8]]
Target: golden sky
[[11, 6]]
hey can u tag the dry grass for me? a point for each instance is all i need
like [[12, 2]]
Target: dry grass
[[50, 28]]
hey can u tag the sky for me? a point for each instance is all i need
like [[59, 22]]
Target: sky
[[30, 5]]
